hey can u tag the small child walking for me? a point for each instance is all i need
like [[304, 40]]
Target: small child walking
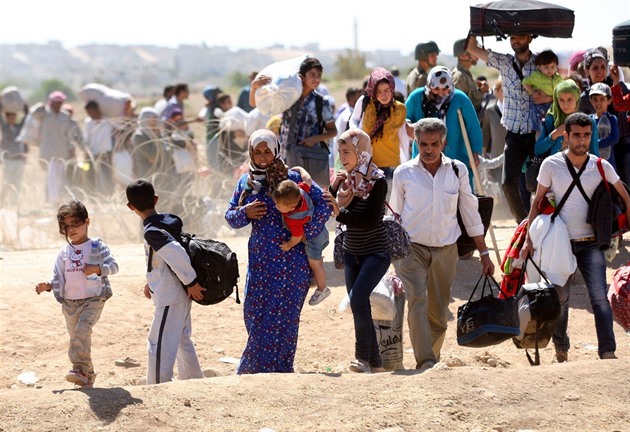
[[293, 201], [168, 268], [81, 285]]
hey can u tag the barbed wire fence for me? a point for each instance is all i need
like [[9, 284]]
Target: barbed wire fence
[[200, 198]]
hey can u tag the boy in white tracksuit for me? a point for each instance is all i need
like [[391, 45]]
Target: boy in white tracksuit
[[168, 268]]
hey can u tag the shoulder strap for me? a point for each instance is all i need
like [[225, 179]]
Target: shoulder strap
[[576, 180], [150, 260], [319, 106], [455, 168], [576, 176], [517, 69], [600, 167]]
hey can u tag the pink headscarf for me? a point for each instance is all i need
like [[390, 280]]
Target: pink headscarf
[[379, 74], [361, 179]]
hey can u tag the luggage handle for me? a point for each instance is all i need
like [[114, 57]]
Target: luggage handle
[[483, 288], [520, 279]]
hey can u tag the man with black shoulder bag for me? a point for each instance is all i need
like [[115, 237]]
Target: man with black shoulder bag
[[573, 176]]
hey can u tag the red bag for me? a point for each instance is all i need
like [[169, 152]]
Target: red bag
[[511, 275], [619, 296]]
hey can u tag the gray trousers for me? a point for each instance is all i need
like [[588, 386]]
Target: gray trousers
[[427, 275], [169, 341]]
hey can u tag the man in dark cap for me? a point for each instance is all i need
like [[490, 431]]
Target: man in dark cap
[[426, 54], [462, 77]]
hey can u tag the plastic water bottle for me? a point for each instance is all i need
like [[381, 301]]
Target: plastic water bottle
[[93, 280], [603, 127]]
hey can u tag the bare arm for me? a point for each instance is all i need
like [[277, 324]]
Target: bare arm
[[306, 177], [257, 83], [473, 48], [331, 132]]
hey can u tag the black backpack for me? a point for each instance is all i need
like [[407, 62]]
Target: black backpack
[[216, 267]]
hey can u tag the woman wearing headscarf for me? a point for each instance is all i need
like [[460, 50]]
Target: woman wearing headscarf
[[566, 97], [440, 99], [277, 282], [357, 196], [147, 145], [382, 117]]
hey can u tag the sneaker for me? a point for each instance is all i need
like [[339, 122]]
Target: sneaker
[[562, 356], [359, 366], [77, 377], [609, 355], [319, 296]]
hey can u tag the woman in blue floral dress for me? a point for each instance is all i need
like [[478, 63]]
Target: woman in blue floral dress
[[277, 282]]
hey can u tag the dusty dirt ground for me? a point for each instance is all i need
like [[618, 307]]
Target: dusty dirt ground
[[482, 389]]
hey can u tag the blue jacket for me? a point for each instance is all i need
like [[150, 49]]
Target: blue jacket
[[547, 146], [455, 146]]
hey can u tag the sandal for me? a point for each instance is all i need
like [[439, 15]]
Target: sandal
[[127, 362]]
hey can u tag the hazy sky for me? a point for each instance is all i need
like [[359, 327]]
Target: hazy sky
[[397, 25]]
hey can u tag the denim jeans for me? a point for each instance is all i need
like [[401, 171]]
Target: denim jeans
[[592, 265], [363, 273], [517, 149]]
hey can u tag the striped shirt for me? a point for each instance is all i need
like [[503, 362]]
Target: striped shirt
[[517, 102], [365, 230]]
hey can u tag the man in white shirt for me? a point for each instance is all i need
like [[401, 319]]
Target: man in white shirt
[[98, 141], [426, 193], [554, 175]]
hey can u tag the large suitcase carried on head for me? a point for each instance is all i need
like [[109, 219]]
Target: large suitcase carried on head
[[521, 17], [621, 43]]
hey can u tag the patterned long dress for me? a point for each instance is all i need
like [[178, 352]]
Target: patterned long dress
[[276, 284]]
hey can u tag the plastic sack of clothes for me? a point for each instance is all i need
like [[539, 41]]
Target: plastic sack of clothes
[[284, 89], [12, 100], [381, 300], [113, 103]]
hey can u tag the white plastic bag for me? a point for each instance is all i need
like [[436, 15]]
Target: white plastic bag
[[238, 119], [111, 102], [381, 301], [122, 164], [12, 100], [183, 160], [285, 88]]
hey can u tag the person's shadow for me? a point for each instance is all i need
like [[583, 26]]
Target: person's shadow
[[106, 403]]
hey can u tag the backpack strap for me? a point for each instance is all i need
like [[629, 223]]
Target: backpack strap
[[576, 181], [150, 260], [319, 107]]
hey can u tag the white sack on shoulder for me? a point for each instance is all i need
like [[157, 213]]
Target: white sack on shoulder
[[12, 100], [285, 88], [110, 101]]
